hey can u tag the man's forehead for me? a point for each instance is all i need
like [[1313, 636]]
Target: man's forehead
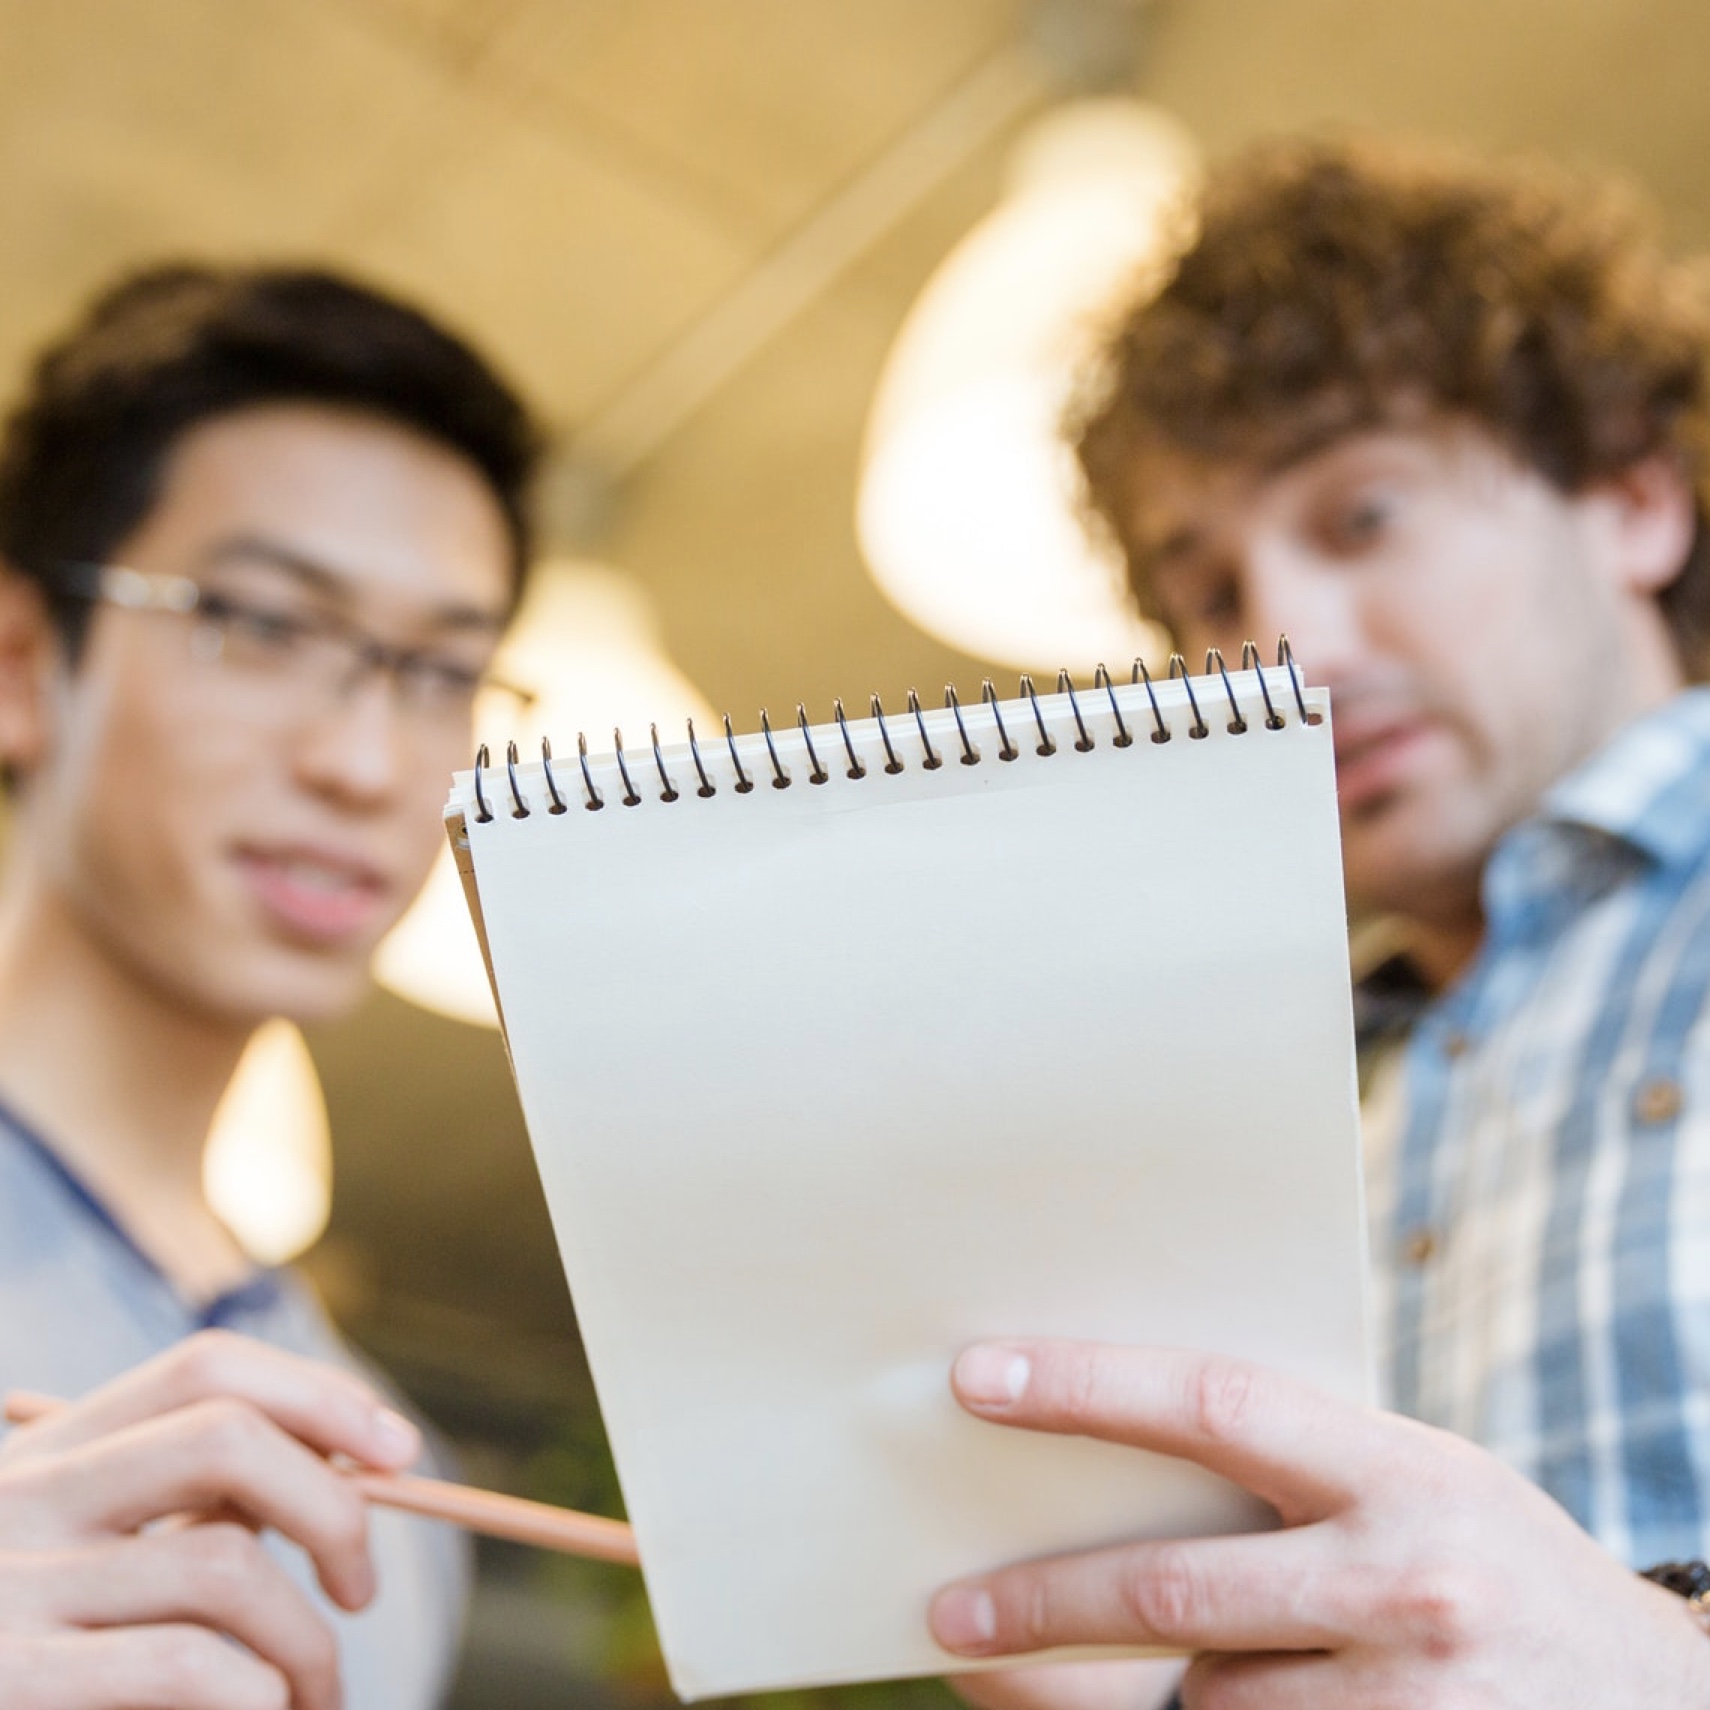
[[347, 504], [1177, 498], [354, 468]]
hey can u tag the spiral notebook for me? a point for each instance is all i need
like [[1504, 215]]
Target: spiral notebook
[[842, 1045]]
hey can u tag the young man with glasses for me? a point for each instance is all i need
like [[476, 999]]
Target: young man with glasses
[[260, 531], [1446, 425]]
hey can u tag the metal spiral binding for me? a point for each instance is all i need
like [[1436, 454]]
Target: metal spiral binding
[[1178, 668], [744, 783], [595, 799], [781, 778], [1214, 661], [818, 775], [1066, 686], [932, 761], [856, 768], [559, 805], [990, 696], [1141, 675], [1101, 680], [631, 798], [1119, 735], [1285, 658], [670, 792], [1250, 662], [1047, 746], [970, 754], [706, 788], [892, 763], [520, 811]]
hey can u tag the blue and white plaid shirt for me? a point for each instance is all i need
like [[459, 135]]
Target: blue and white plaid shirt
[[1542, 1217]]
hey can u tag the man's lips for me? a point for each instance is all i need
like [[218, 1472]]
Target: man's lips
[[1375, 760], [314, 893]]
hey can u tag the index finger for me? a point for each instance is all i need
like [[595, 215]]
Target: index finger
[[331, 1410], [1304, 1452]]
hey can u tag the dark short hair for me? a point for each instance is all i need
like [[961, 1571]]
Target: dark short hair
[[1331, 283], [83, 454]]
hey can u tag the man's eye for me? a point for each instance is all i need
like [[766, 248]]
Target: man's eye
[[440, 680], [1361, 520], [1217, 603], [258, 626]]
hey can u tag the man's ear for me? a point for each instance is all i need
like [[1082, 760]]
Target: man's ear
[[29, 653], [1655, 515]]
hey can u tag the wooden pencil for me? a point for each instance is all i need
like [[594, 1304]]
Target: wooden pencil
[[487, 1511]]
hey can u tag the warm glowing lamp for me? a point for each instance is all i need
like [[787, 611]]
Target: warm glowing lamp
[[587, 643], [267, 1170], [968, 505]]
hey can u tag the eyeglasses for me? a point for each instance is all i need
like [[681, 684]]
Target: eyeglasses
[[271, 645]]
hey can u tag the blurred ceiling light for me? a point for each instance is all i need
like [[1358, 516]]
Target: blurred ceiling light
[[267, 1169], [967, 510], [587, 642]]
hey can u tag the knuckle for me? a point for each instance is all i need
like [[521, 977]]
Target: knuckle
[[320, 1658], [233, 1572], [1223, 1398], [1437, 1606], [225, 1554], [189, 1665], [1033, 1621], [347, 1521], [208, 1361], [230, 1431], [1162, 1594], [1082, 1392], [32, 1504]]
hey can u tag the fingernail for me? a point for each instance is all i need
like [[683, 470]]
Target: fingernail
[[991, 1377], [395, 1437], [964, 1618], [358, 1590]]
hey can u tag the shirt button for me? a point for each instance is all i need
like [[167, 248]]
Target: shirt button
[[1456, 1044], [1419, 1246], [1658, 1100]]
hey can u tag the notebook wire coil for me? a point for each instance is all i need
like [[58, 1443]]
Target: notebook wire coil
[[1082, 728]]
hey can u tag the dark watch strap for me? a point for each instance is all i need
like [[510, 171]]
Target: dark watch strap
[[1684, 1579], [1690, 1580]]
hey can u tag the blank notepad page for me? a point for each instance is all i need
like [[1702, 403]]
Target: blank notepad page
[[828, 1079]]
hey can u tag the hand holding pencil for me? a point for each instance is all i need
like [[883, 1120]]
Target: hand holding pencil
[[488, 1511], [238, 1436]]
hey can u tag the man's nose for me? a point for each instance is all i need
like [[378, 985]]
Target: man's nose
[[356, 748]]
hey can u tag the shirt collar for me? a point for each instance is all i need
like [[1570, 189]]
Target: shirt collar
[[254, 1293], [1647, 793], [1650, 786]]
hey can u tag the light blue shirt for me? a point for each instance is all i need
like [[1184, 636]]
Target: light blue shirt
[[79, 1303], [1545, 1231]]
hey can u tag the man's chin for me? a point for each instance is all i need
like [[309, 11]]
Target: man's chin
[[1401, 862], [302, 989]]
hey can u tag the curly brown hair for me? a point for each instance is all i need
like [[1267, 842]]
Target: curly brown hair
[[1332, 282]]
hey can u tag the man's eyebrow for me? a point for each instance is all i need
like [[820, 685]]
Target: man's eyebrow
[[1173, 546], [322, 579]]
